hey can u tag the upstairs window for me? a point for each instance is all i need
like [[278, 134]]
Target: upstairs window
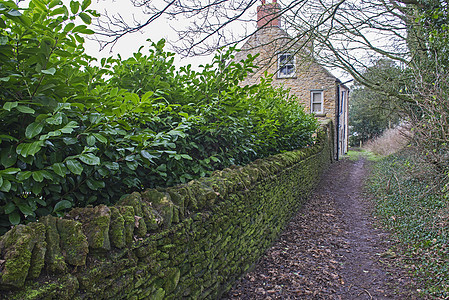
[[316, 102], [286, 65]]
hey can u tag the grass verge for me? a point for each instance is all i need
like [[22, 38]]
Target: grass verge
[[357, 153], [411, 208]]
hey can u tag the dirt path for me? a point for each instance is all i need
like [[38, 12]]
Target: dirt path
[[330, 250]]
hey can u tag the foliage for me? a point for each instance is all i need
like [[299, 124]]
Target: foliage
[[370, 111], [74, 134], [410, 205]]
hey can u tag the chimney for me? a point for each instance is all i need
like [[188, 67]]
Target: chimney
[[268, 14]]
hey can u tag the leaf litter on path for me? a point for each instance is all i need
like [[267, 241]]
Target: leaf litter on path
[[330, 249]]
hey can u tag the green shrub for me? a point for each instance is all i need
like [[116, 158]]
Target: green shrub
[[74, 134]]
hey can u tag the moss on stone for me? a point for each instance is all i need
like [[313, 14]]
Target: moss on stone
[[135, 200], [159, 294], [95, 223], [64, 288], [128, 214], [177, 200], [117, 229], [54, 260], [153, 219], [171, 280], [39, 250], [16, 248], [74, 245], [162, 203]]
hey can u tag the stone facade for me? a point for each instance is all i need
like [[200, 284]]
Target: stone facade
[[308, 77]]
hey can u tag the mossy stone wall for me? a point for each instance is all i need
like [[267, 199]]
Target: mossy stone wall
[[190, 241]]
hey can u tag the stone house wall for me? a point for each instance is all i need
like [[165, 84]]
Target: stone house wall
[[270, 41]]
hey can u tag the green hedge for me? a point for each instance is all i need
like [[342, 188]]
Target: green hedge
[[189, 241]]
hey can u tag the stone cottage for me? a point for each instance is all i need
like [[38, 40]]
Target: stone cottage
[[292, 65]]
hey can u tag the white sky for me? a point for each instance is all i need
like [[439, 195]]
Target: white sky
[[130, 43]]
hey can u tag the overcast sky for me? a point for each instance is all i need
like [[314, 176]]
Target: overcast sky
[[130, 43]]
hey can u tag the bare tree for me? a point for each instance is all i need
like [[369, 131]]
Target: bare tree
[[345, 32]]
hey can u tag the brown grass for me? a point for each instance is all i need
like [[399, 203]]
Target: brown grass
[[391, 141]]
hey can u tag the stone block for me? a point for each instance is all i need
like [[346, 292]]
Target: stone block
[[54, 260], [95, 223], [74, 244]]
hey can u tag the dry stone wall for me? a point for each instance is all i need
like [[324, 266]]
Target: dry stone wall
[[189, 241]]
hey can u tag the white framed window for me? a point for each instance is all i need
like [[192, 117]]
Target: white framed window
[[316, 101], [286, 65]]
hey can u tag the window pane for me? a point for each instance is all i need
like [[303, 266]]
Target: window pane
[[285, 59], [316, 97], [286, 65], [316, 107], [289, 70]]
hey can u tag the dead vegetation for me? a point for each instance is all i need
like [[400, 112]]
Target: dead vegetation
[[391, 141]]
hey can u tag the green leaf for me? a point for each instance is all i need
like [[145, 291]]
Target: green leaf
[[69, 27], [87, 31], [79, 28], [10, 171], [54, 3], [74, 6], [86, 18], [94, 184], [145, 154], [33, 129], [56, 119], [90, 159], [74, 166], [26, 149], [70, 140], [25, 109], [59, 11], [37, 188], [60, 169], [5, 79], [50, 71], [112, 166], [147, 95], [90, 140], [186, 156], [61, 205], [86, 4], [9, 208], [10, 105], [23, 175], [8, 156], [38, 176], [14, 13], [3, 40], [6, 186], [25, 209], [100, 138], [41, 201], [69, 127], [79, 39], [162, 168], [14, 218], [132, 165]]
